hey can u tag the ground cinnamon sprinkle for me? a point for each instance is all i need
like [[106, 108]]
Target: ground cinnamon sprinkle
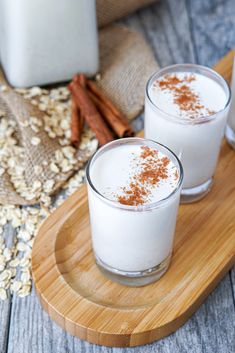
[[184, 97], [151, 170]]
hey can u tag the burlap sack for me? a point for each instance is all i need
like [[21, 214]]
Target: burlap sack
[[111, 10], [126, 64], [18, 109]]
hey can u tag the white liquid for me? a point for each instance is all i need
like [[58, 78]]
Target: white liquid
[[197, 145], [47, 41], [123, 239], [231, 115]]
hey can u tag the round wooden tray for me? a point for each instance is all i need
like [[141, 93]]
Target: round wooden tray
[[86, 304]]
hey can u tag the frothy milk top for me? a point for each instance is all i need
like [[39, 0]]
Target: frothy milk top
[[187, 95], [134, 175]]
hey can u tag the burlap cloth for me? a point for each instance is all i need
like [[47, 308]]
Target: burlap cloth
[[111, 10], [126, 62]]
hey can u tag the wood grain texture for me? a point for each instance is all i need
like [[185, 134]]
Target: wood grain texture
[[73, 220], [32, 330], [211, 328], [83, 302]]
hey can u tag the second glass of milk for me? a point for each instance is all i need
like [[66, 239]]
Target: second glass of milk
[[230, 128], [133, 191], [186, 108]]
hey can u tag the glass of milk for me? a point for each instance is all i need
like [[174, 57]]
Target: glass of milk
[[134, 189], [230, 128], [186, 108], [45, 41]]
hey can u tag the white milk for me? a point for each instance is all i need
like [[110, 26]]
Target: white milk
[[193, 134], [131, 238], [47, 41], [230, 130]]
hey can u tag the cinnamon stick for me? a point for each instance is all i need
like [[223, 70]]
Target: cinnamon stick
[[77, 123], [115, 118], [90, 113], [121, 129], [81, 78]]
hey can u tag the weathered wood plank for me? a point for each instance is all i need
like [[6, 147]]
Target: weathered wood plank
[[211, 329], [166, 26], [213, 28], [232, 276], [5, 306]]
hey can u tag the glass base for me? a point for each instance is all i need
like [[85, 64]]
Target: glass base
[[134, 278], [230, 136], [197, 193]]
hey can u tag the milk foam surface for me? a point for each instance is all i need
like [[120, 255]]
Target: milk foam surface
[[211, 95], [114, 170]]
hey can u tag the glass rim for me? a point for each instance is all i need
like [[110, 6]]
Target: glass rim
[[141, 141], [201, 119]]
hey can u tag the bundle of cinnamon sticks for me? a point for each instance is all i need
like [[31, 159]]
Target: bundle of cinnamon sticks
[[91, 105]]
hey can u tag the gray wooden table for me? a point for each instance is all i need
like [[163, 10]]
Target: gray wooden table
[[179, 31]]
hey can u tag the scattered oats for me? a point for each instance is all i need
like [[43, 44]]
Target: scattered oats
[[30, 227], [21, 246], [24, 291], [5, 275], [2, 260], [2, 171], [30, 243], [34, 102], [35, 141], [3, 294], [38, 169], [66, 166], [24, 262], [7, 253], [16, 286], [3, 221], [24, 235], [45, 200], [35, 91], [36, 185], [54, 168], [45, 163], [29, 196], [65, 124], [35, 128], [14, 263], [52, 134], [16, 222], [25, 276], [13, 272], [24, 123], [98, 77], [48, 185], [35, 121], [42, 107], [63, 142], [3, 88], [21, 90]]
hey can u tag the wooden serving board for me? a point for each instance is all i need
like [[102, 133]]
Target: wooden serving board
[[86, 304]]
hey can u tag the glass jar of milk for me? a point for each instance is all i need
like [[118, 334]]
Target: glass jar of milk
[[47, 41], [186, 109]]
